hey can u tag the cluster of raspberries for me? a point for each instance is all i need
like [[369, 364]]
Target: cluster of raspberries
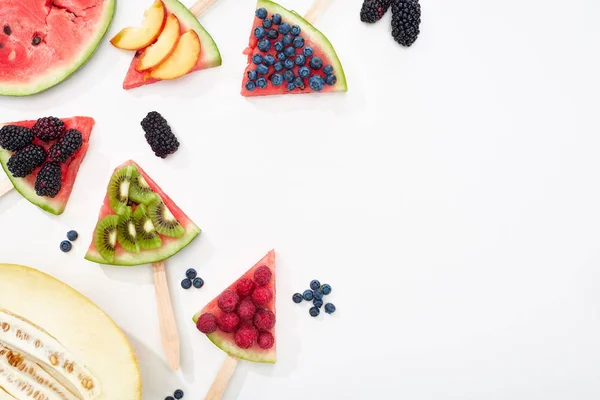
[[406, 17]]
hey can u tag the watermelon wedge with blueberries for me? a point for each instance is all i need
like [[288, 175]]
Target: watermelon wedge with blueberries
[[42, 158], [286, 54], [43, 42], [241, 320], [138, 222]]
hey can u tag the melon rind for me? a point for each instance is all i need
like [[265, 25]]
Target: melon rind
[[55, 76]]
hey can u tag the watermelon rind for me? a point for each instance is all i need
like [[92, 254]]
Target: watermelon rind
[[55, 76]]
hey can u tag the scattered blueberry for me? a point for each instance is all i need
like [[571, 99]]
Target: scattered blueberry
[[288, 76], [198, 283], [329, 308], [269, 59], [328, 70], [72, 235], [318, 294], [291, 86], [264, 45], [261, 13], [316, 83], [300, 59], [295, 30], [318, 303], [308, 51], [314, 311], [288, 39], [297, 298], [304, 72], [308, 295], [259, 32], [331, 80], [276, 79], [298, 42], [262, 69], [261, 83], [276, 19], [257, 59], [186, 283], [250, 86], [169, 398], [191, 273], [326, 289], [281, 56], [272, 34], [315, 284], [178, 394], [278, 46], [298, 82], [278, 66], [288, 63], [284, 28], [289, 51], [267, 23], [65, 246], [316, 63], [252, 75]]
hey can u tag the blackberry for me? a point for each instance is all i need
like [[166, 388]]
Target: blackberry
[[23, 162], [15, 138], [159, 135], [48, 128], [66, 146], [373, 10], [406, 18], [49, 180]]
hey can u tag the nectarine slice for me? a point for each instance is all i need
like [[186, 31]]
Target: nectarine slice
[[139, 37], [164, 46], [182, 60]]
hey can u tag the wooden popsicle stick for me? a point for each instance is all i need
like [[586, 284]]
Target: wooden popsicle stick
[[201, 6], [318, 8], [5, 187], [219, 385], [166, 318]]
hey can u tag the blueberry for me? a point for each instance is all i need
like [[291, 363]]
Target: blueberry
[[261, 83], [281, 56], [316, 83], [288, 76], [315, 284], [278, 66], [297, 298], [316, 63], [329, 308], [291, 86], [262, 69], [261, 13], [250, 86], [272, 34], [267, 23], [252, 75], [198, 283], [300, 59], [298, 82], [284, 28], [72, 235], [269, 59], [178, 394], [186, 283], [308, 295], [278, 46], [65, 246], [318, 303], [318, 294], [331, 80], [287, 39], [276, 19], [259, 32], [314, 311], [191, 273], [288, 63], [264, 45], [169, 398], [326, 289], [276, 79], [308, 51], [298, 42], [328, 70], [289, 51], [257, 59], [304, 72], [295, 30]]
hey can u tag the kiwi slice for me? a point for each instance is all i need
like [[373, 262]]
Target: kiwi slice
[[164, 222], [105, 237], [140, 192], [126, 232], [146, 232], [118, 188]]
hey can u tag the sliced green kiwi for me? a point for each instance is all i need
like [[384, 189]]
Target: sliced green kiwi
[[118, 188], [164, 222], [140, 191], [146, 232], [126, 232], [105, 237]]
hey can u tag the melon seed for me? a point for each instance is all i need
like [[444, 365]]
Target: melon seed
[[7, 30], [36, 40]]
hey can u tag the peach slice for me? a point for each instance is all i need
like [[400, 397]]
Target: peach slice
[[164, 46], [139, 37], [182, 60]]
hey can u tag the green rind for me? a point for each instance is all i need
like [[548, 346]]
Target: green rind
[[59, 75]]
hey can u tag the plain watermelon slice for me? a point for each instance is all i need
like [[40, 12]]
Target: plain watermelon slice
[[226, 341], [170, 246], [209, 55], [26, 186], [313, 38], [69, 32]]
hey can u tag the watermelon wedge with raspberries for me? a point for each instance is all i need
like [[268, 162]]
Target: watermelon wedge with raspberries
[[69, 169], [279, 37], [210, 56], [138, 223], [43, 42], [241, 320]]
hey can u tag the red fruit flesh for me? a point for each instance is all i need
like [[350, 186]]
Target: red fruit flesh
[[228, 300], [245, 287], [262, 275], [246, 336], [266, 340], [264, 320], [228, 322], [262, 295], [247, 309], [207, 323]]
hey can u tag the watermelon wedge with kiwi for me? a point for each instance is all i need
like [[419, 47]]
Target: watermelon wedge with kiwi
[[69, 169], [287, 55], [210, 56], [247, 332], [43, 42], [138, 222]]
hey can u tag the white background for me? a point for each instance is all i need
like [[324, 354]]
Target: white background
[[451, 199]]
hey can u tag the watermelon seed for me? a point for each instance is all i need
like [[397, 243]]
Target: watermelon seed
[[36, 40], [7, 30]]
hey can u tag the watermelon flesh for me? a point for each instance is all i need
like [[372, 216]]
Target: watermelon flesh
[[170, 246], [69, 30], [209, 55], [226, 341], [313, 38], [26, 185]]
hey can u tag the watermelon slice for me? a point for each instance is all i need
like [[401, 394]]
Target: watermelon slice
[[209, 54], [158, 246], [43, 42], [280, 36], [26, 185], [247, 288]]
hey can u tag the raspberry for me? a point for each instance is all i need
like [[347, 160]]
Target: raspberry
[[264, 320], [227, 322], [228, 300], [262, 295], [245, 287], [246, 309], [48, 128], [246, 336], [207, 323], [266, 340], [262, 275]]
